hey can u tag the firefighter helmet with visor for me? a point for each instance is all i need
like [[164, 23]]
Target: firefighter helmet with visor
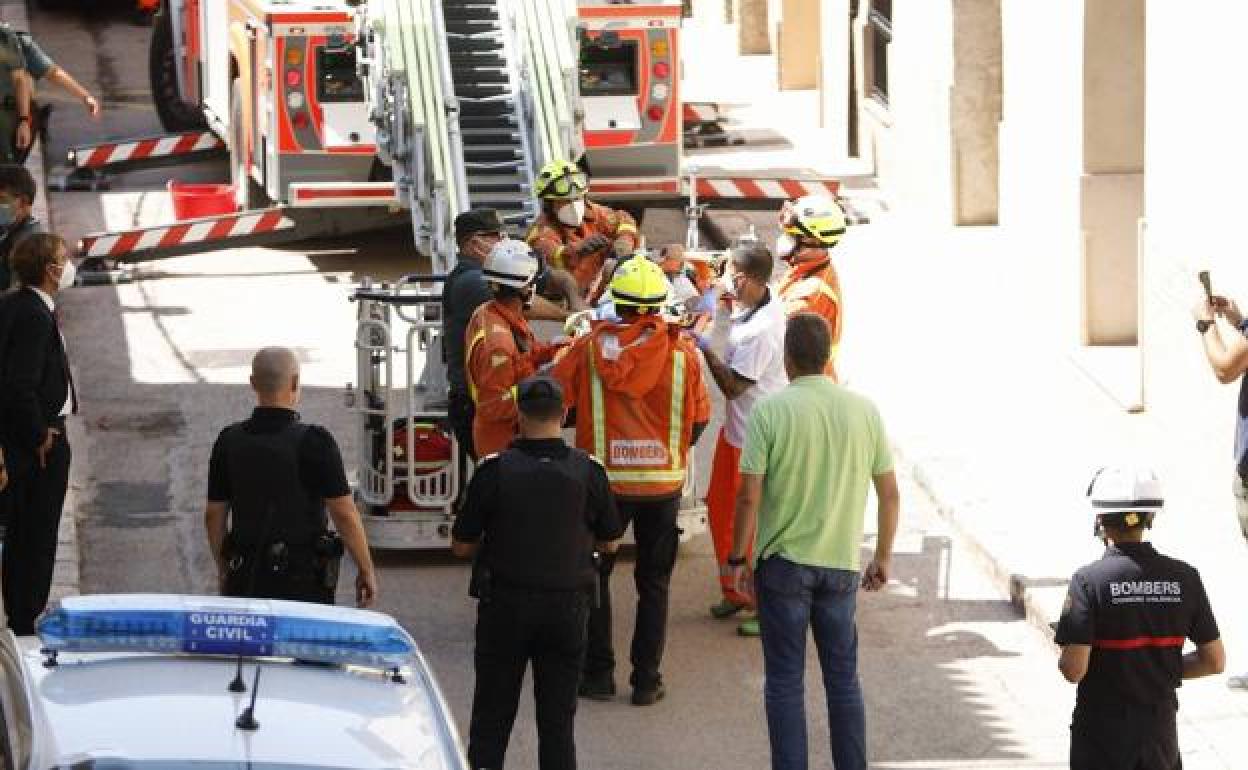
[[511, 263], [561, 180], [639, 282]]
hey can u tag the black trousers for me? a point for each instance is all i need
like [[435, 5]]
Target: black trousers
[[516, 627], [1122, 736], [36, 496], [657, 538], [461, 410]]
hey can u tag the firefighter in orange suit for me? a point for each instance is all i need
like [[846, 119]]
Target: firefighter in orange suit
[[574, 234], [500, 348], [640, 404], [811, 227]]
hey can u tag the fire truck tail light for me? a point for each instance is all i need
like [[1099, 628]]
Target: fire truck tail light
[[662, 70], [294, 57], [655, 113], [300, 120], [294, 100], [293, 78], [659, 92]]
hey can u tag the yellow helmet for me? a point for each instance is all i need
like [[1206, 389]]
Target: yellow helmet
[[639, 282], [561, 179], [814, 217]]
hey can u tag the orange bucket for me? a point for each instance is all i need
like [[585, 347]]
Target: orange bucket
[[192, 201]]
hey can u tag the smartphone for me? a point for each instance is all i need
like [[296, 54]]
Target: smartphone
[[1203, 276]]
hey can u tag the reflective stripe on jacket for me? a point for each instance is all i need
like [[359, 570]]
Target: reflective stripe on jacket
[[638, 392]]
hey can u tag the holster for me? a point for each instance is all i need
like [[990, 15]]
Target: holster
[[481, 584], [328, 548]]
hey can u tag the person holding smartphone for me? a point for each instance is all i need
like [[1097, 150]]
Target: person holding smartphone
[[1226, 348]]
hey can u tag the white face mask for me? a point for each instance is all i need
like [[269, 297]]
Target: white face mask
[[785, 245], [572, 214], [67, 275]]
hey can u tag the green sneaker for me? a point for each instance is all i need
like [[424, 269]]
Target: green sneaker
[[748, 627], [725, 609]]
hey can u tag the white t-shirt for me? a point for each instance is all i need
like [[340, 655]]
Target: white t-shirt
[[756, 352]]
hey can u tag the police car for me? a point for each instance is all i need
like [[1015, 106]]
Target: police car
[[162, 681]]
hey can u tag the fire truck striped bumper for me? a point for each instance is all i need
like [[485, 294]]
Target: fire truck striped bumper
[[184, 234], [149, 150], [701, 112], [763, 189]]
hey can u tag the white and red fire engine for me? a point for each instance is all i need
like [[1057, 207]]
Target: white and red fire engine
[[346, 115]]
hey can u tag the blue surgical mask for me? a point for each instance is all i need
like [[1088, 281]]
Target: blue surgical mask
[[8, 214]]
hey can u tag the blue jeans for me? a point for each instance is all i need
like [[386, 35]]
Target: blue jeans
[[792, 597]]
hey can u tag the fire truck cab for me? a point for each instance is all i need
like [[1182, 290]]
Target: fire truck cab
[[629, 82], [276, 80]]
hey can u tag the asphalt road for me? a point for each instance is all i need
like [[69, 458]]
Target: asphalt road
[[953, 677]]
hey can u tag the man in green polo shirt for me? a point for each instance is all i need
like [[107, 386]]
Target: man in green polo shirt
[[811, 452], [15, 98]]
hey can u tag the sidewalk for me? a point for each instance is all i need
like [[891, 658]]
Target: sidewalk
[[948, 332], [65, 580]]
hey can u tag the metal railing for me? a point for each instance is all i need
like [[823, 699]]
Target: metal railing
[[546, 30]]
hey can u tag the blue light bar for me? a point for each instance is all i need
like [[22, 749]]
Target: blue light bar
[[202, 625]]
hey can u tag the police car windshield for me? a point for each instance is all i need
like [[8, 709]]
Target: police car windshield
[[113, 763]]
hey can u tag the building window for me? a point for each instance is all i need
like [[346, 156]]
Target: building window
[[879, 35]]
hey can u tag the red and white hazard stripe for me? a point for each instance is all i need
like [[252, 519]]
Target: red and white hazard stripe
[[701, 112], [777, 189], [100, 155], [114, 245], [332, 194]]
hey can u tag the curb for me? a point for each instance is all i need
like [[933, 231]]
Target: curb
[[1015, 585], [66, 578]]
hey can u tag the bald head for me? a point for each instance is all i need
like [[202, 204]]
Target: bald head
[[275, 374]]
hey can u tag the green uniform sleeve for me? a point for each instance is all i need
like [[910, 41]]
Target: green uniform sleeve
[[754, 453], [883, 461]]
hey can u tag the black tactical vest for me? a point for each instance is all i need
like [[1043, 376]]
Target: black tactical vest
[[541, 536], [268, 501]]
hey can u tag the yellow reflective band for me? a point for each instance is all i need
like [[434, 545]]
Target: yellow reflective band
[[677, 475], [596, 408], [472, 388], [625, 227], [677, 412], [557, 258]]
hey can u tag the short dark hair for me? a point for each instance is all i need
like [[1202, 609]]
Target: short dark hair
[[807, 343], [754, 261], [540, 398], [1124, 521], [32, 255], [18, 181]]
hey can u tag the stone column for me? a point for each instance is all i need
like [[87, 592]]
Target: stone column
[[1112, 186], [975, 110], [752, 27], [798, 54]]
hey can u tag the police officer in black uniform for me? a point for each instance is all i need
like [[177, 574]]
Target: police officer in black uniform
[[537, 511], [1122, 631], [271, 480], [476, 230]]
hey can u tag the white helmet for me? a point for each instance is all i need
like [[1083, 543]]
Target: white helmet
[[1125, 489], [511, 263]]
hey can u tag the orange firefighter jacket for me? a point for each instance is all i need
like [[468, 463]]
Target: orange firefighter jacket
[[556, 242], [638, 392], [813, 287], [500, 352]]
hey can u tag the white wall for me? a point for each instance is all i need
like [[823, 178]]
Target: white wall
[[910, 140], [1041, 145]]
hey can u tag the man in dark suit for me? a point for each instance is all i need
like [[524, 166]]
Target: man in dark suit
[[36, 395]]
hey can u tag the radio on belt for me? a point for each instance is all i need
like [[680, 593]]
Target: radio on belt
[[202, 625]]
